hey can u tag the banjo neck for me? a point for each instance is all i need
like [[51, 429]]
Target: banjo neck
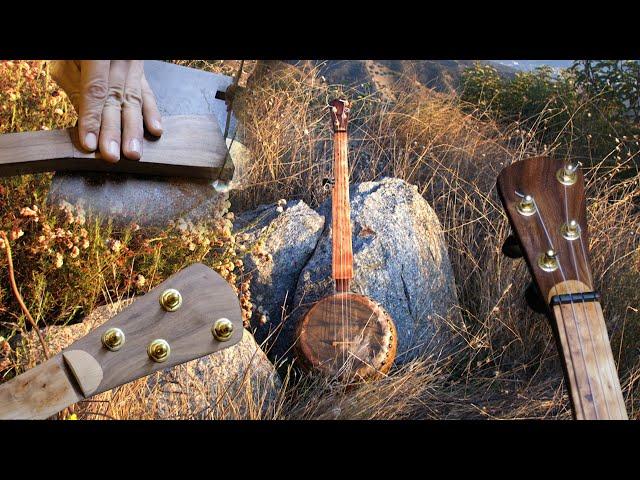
[[342, 253], [587, 357], [544, 200]]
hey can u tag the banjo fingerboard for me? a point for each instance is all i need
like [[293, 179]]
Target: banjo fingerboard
[[342, 253]]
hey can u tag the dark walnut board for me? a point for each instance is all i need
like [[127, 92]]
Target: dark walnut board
[[190, 146]]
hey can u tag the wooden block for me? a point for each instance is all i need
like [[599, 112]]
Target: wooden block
[[191, 146]]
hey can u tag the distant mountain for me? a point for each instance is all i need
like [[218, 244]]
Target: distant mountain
[[441, 75], [528, 65]]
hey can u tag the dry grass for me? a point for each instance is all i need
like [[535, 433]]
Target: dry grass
[[508, 366], [503, 362]]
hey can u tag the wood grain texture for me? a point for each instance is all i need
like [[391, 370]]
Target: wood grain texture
[[347, 334], [86, 367], [342, 252], [39, 392], [191, 146], [206, 296], [591, 371], [579, 327], [537, 233]]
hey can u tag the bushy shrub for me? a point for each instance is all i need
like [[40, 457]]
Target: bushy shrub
[[589, 111]]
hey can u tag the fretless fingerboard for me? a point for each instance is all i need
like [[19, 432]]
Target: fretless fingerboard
[[591, 370], [341, 214]]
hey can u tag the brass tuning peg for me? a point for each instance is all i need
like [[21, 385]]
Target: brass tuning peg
[[548, 261], [568, 175], [571, 230], [159, 350], [526, 206], [113, 339], [511, 247], [222, 329], [171, 300]]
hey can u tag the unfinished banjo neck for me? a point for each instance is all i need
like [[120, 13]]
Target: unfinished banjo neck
[[191, 314]]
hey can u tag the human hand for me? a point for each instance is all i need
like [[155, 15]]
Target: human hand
[[113, 101]]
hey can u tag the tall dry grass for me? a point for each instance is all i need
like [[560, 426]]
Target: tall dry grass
[[508, 365], [503, 362]]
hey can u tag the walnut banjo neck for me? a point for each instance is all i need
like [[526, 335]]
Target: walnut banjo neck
[[345, 334], [191, 314], [545, 202]]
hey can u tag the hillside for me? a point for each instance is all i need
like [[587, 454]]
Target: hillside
[[441, 75]]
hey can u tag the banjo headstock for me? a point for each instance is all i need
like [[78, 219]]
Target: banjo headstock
[[191, 314], [545, 202], [339, 110]]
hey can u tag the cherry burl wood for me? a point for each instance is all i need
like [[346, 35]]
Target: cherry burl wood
[[579, 327], [190, 146], [347, 335]]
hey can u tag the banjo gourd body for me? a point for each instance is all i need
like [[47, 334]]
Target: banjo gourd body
[[347, 335]]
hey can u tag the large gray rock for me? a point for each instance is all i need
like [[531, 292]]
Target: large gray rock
[[236, 383], [149, 202], [288, 239], [155, 201], [400, 259]]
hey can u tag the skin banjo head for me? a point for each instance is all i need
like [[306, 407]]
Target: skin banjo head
[[347, 335]]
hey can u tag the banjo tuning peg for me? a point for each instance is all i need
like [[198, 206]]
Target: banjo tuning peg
[[511, 247], [328, 183]]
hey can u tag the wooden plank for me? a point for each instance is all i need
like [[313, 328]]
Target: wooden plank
[[191, 146]]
